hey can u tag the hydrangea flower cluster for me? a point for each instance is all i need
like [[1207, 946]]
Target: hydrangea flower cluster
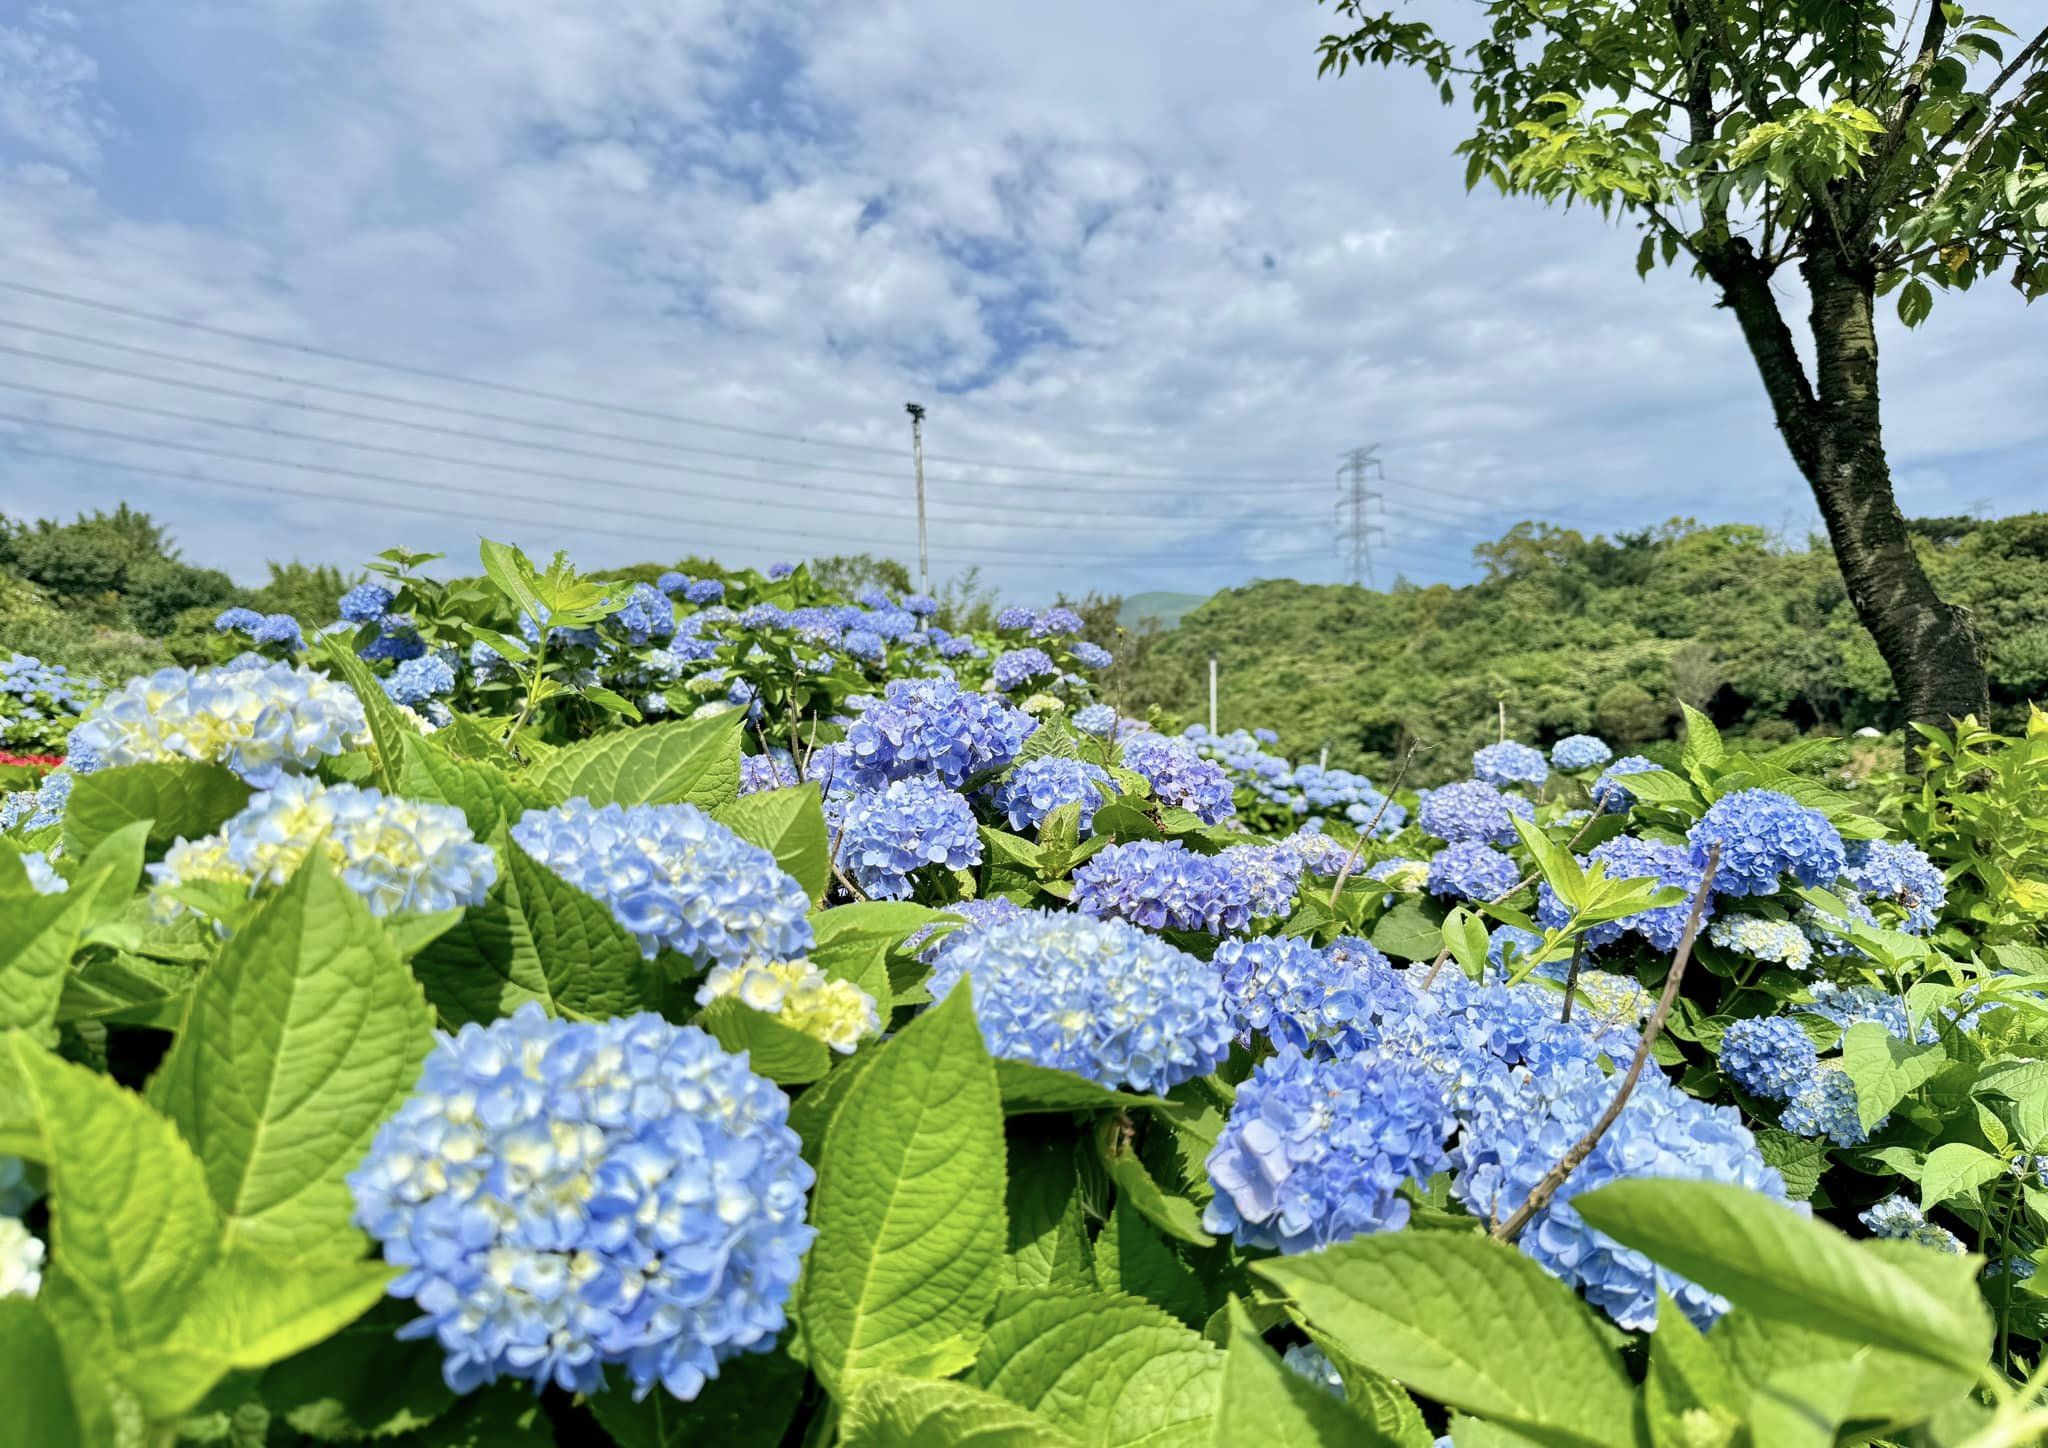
[[1180, 777], [1608, 791], [1627, 858], [39, 808], [1902, 1221], [1320, 1002], [1575, 752], [760, 772], [1098, 720], [1769, 1056], [800, 996], [367, 603], [1315, 1152], [566, 1195], [418, 681], [1056, 622], [1826, 1106], [1099, 998], [1091, 655], [1510, 762], [21, 1260], [1037, 787], [39, 701], [1760, 938], [397, 854], [1519, 1131], [1472, 811], [1902, 874], [1306, 1360], [263, 628], [1766, 838], [932, 727], [262, 720], [1471, 871], [884, 836], [1161, 885], [1265, 877], [648, 615], [674, 879], [1018, 667]]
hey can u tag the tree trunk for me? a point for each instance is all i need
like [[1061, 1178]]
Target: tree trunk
[[1930, 646], [1835, 437]]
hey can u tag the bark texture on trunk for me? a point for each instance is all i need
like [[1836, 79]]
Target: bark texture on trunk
[[1832, 428]]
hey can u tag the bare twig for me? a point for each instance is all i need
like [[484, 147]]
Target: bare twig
[[1351, 860], [1540, 1195]]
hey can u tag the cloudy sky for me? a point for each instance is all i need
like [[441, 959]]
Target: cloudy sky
[[657, 276]]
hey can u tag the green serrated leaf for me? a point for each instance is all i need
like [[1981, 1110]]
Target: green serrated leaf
[[1172, 1214], [40, 1410], [1109, 1370], [789, 824], [782, 1053], [909, 1204], [1472, 1323], [748, 1405], [1799, 1159], [363, 1381], [178, 800], [1263, 1401], [487, 796], [1409, 931], [889, 1411], [1886, 1070], [298, 1042], [1955, 1169], [1048, 1216], [1131, 1257], [694, 761], [38, 935], [389, 729], [1703, 747]]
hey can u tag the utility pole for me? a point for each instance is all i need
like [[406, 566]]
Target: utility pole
[[1354, 496], [924, 564], [1212, 695]]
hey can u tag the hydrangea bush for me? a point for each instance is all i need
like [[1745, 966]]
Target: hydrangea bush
[[615, 1009]]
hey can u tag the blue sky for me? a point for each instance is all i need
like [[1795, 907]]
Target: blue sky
[[1112, 240]]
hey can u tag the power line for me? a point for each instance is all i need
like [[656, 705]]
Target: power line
[[469, 515], [681, 419], [808, 490]]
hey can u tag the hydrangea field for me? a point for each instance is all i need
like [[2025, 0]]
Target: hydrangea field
[[531, 1008]]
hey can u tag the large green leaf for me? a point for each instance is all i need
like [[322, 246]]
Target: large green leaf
[[782, 1053], [539, 938], [1691, 1396], [1954, 1169], [1033, 1090], [789, 824], [389, 729], [1132, 1257], [38, 935], [487, 796], [888, 1411], [1109, 1370], [853, 942], [1472, 1323], [180, 801], [1770, 1357], [748, 1405], [132, 1227], [1049, 1244], [908, 1207], [1409, 932], [688, 760], [1263, 1401], [40, 1410], [298, 1042], [361, 1382], [1764, 1256], [1885, 1069], [1172, 1213], [129, 988]]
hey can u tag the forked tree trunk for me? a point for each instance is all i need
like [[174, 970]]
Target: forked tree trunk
[[1833, 431]]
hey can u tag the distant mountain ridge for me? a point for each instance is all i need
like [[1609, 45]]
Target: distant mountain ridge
[[1168, 608]]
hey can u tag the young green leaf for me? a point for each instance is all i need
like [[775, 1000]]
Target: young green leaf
[[178, 800], [1956, 1168], [1263, 1401], [790, 824], [694, 761], [1885, 1070], [889, 1411]]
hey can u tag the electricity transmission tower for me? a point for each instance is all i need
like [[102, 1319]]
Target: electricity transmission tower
[[1355, 525]]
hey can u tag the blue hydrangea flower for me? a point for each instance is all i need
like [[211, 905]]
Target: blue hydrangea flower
[[674, 878], [1096, 719], [1266, 877], [1315, 1152], [1014, 617], [1471, 871], [1056, 622], [1320, 1002], [399, 641], [1320, 855], [703, 590], [1766, 837], [1508, 945], [977, 915], [1900, 1220], [1904, 875], [1474, 812], [1091, 655], [238, 620], [884, 836], [1018, 667], [262, 720], [1510, 762], [932, 727], [367, 603], [671, 583], [1627, 858], [1306, 1360], [416, 681], [921, 604], [1850, 1005], [566, 1195], [29, 810], [1608, 791], [397, 854], [1575, 752], [648, 614], [1100, 998], [1161, 885], [1180, 777], [1037, 787], [280, 629], [1826, 1107], [1513, 1139], [1769, 1056], [864, 644], [766, 771]]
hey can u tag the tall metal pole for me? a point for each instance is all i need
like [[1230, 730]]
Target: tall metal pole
[[924, 564], [1358, 463], [1212, 694]]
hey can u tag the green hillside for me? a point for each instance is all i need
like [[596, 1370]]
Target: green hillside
[[1167, 608], [1598, 634]]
